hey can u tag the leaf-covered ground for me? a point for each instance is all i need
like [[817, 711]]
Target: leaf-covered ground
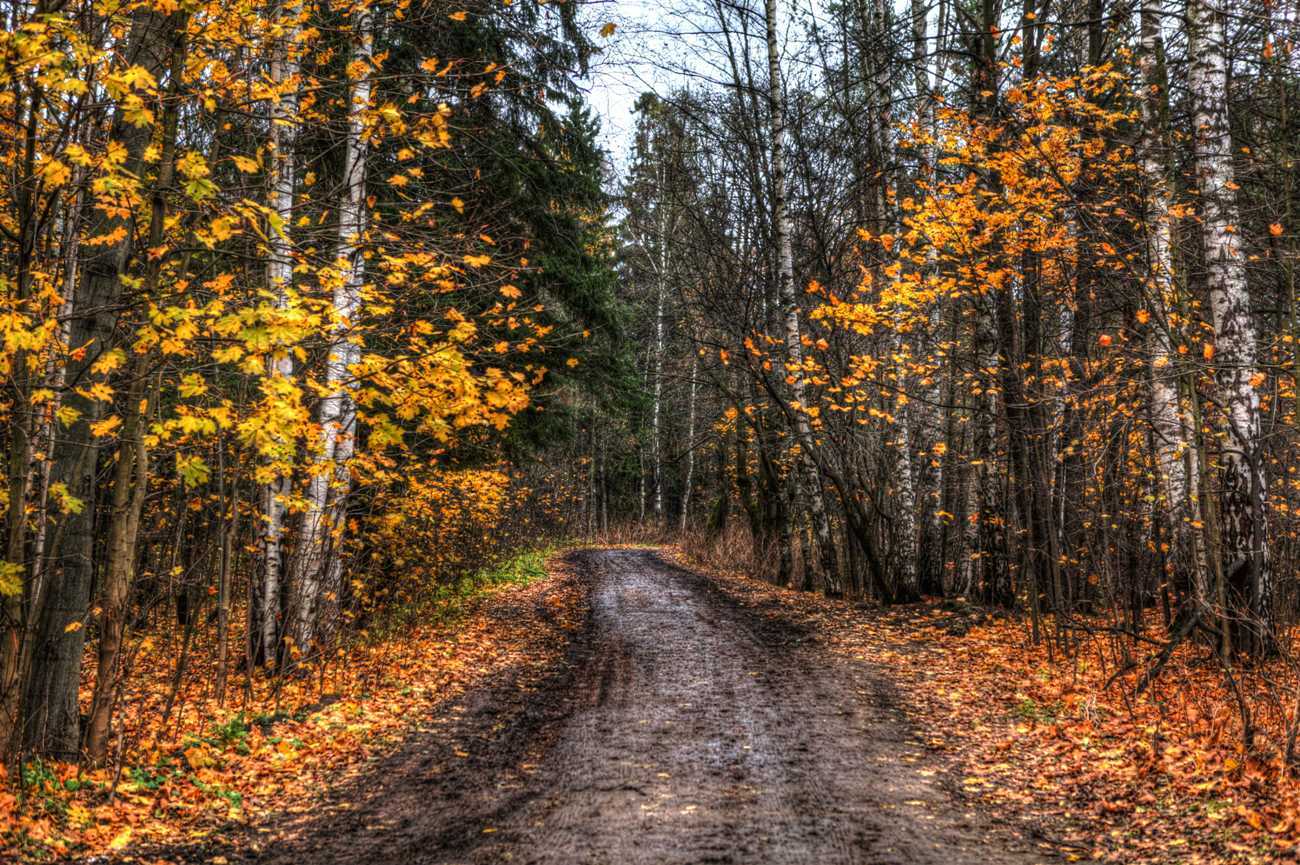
[[1096, 772], [215, 770], [1076, 760]]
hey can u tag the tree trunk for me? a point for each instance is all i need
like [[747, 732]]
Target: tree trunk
[[1172, 440], [318, 563], [790, 304], [279, 272], [51, 723], [130, 486], [905, 528], [1242, 502], [690, 443], [656, 443], [229, 529]]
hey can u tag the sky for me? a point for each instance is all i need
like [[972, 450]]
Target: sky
[[631, 62], [660, 46]]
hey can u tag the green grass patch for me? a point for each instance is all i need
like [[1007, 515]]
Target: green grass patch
[[447, 602], [519, 570]]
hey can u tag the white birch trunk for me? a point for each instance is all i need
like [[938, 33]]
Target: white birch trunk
[[904, 489], [929, 423], [790, 302], [656, 445], [1168, 421], [317, 564], [279, 271], [690, 441], [1243, 503]]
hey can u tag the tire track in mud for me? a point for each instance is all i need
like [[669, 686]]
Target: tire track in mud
[[699, 733]]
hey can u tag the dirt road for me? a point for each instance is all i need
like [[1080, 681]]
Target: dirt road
[[683, 730]]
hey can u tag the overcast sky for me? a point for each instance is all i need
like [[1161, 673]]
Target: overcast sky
[[660, 46], [632, 61]]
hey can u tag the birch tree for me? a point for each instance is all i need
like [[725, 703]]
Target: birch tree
[[804, 473], [265, 615], [1242, 498], [317, 562], [1175, 456]]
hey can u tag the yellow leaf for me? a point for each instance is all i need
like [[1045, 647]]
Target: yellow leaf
[[72, 627], [608, 30], [223, 227], [108, 361], [55, 173], [193, 385], [229, 354], [121, 839]]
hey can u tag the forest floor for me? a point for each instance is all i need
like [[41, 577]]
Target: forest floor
[[634, 707], [1060, 746], [222, 774]]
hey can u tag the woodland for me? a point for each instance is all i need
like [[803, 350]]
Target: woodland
[[967, 329]]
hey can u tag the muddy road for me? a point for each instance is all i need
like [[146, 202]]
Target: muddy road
[[684, 729]]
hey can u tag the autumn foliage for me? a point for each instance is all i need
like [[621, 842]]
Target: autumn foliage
[[272, 351]]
